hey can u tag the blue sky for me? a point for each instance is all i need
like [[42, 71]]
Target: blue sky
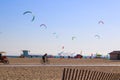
[[66, 18]]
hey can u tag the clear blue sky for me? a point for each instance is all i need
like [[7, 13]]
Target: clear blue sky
[[66, 18]]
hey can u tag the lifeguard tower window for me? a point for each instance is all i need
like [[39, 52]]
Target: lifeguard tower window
[[118, 56]]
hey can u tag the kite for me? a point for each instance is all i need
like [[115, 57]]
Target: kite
[[100, 22], [54, 33], [29, 12], [73, 37], [43, 25], [33, 18], [60, 54], [97, 36]]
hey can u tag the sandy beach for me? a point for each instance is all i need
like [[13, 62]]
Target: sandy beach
[[51, 72], [63, 61]]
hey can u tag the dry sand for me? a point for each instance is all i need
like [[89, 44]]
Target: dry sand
[[62, 61], [51, 72]]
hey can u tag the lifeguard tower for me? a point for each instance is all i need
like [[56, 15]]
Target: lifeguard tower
[[25, 53]]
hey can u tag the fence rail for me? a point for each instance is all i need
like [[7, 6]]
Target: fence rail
[[78, 74]]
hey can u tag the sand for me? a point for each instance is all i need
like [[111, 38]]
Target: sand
[[62, 61], [50, 72]]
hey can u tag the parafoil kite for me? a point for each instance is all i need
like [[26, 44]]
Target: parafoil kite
[[43, 25], [55, 35], [29, 12], [33, 18], [73, 37], [100, 22], [97, 36]]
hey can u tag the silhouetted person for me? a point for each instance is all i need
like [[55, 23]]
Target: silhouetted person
[[44, 57], [0, 56]]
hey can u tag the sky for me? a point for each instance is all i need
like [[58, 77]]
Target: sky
[[64, 19]]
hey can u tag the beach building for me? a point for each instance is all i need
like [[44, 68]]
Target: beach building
[[25, 53], [115, 55]]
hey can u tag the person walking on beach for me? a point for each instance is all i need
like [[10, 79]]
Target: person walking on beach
[[44, 57]]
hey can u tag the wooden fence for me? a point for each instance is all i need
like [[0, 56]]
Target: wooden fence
[[76, 74]]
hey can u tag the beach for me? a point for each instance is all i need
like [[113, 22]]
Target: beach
[[45, 72]]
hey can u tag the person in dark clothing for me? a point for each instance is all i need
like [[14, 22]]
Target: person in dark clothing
[[0, 56], [44, 57]]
